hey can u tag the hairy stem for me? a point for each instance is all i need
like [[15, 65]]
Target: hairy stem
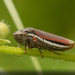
[[35, 52]]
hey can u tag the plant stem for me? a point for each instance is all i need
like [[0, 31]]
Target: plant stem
[[35, 52]]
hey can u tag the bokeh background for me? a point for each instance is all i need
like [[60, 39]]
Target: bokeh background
[[54, 16]]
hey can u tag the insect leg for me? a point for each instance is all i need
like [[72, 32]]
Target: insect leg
[[55, 52], [41, 52], [38, 46], [25, 49], [18, 44]]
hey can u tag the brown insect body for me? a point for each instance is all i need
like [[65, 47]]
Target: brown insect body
[[36, 38]]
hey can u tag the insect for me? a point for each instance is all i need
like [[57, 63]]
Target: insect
[[32, 37]]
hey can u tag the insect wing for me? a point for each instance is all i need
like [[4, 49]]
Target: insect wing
[[52, 37]]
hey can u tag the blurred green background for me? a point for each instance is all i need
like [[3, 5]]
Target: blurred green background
[[54, 16]]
